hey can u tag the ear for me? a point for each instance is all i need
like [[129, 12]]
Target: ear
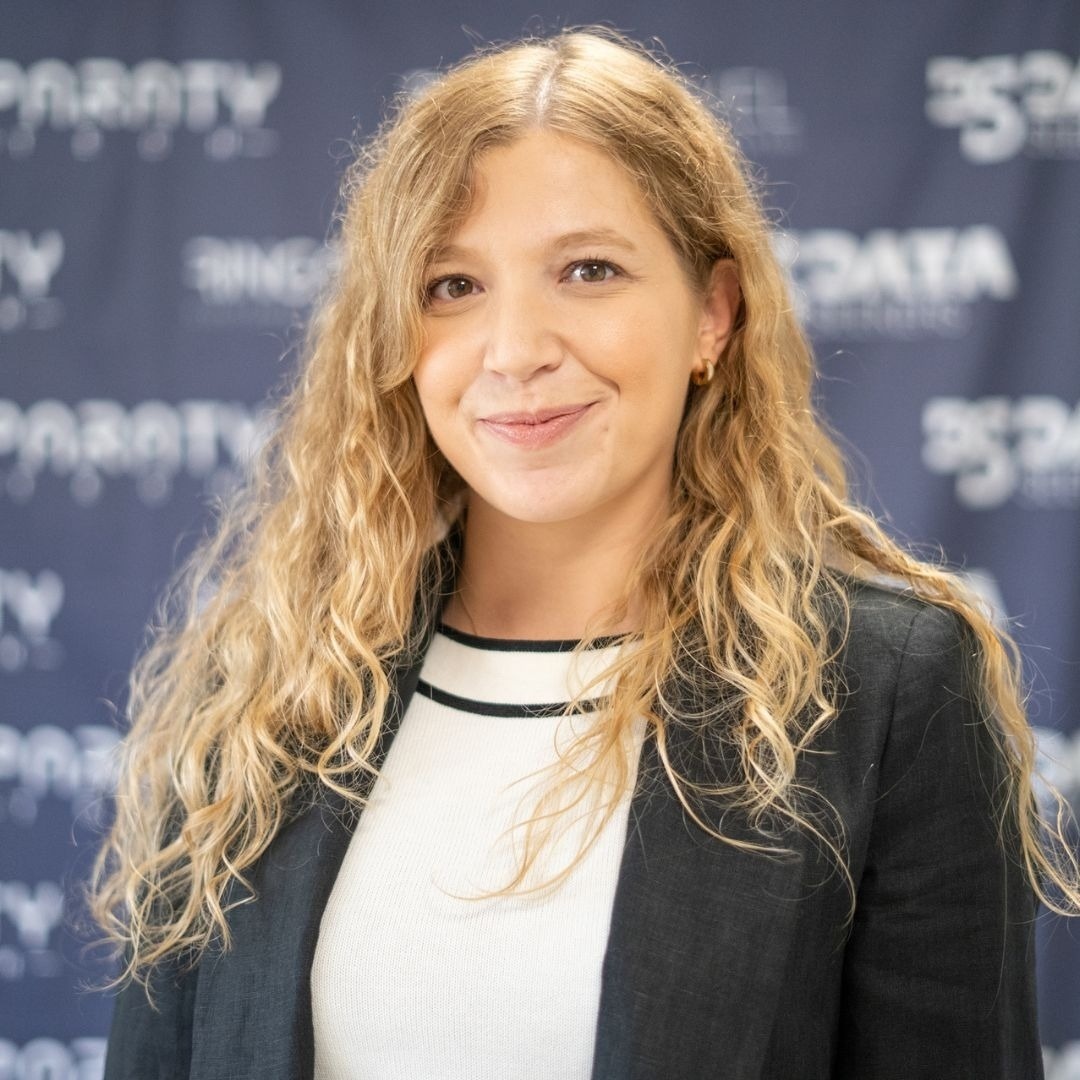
[[720, 308]]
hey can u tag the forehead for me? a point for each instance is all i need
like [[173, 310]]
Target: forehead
[[545, 181]]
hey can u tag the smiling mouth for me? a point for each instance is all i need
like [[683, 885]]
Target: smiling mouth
[[538, 428]]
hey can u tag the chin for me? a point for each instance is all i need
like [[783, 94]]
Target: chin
[[538, 507], [539, 515]]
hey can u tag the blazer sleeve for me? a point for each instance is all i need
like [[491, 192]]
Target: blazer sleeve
[[939, 968], [153, 1041]]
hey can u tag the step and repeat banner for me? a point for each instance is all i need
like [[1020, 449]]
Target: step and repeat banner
[[168, 176]]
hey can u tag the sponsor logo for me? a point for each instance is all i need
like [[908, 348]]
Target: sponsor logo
[[754, 101], [51, 1059], [1005, 105], [984, 585], [77, 767], [98, 441], [895, 283], [28, 265], [416, 80], [29, 917], [1001, 449], [1063, 1063], [224, 101], [240, 280], [1059, 762], [28, 606]]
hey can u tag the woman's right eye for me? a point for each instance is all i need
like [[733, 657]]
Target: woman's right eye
[[454, 287]]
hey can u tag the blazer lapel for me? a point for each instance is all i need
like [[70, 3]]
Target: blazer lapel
[[700, 930], [253, 1003], [252, 1014]]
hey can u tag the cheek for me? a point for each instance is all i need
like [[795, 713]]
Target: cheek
[[439, 391], [423, 382], [658, 339], [655, 368], [436, 382]]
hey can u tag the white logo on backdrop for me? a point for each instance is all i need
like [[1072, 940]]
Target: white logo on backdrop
[[754, 101], [241, 280], [1059, 762], [988, 593], [1005, 105], [97, 441], [29, 916], [28, 265], [77, 767], [52, 1059], [999, 449], [1063, 1063], [225, 101], [895, 283], [416, 80], [28, 605]]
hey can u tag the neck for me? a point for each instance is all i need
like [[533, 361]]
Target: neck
[[543, 581]]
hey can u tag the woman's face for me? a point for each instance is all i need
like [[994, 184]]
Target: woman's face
[[560, 335]]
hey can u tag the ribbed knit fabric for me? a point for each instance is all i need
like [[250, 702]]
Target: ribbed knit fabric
[[411, 982]]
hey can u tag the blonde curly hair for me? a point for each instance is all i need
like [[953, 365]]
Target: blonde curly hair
[[269, 677]]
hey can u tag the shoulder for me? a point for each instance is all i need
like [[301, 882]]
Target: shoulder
[[915, 731], [910, 683], [895, 633], [906, 672]]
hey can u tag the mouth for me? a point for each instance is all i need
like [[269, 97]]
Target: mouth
[[535, 416], [538, 427]]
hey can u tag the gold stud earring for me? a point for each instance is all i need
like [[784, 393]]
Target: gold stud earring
[[701, 378]]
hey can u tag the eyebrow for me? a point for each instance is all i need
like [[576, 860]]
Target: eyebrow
[[576, 238]]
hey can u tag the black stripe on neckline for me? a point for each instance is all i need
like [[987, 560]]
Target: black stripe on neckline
[[545, 645], [491, 708]]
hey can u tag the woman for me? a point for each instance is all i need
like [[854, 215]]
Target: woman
[[535, 712]]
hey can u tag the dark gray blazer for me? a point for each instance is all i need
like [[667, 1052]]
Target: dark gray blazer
[[720, 963]]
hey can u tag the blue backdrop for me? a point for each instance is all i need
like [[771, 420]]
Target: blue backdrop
[[167, 178]]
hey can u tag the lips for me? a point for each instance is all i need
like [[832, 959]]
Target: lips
[[535, 416], [537, 427]]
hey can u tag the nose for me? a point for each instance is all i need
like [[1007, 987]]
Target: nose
[[521, 336]]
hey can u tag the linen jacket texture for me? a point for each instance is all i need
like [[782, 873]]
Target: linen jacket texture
[[721, 963]]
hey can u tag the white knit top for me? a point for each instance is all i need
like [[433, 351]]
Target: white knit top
[[411, 981]]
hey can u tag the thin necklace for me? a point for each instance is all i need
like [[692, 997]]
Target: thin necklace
[[467, 613]]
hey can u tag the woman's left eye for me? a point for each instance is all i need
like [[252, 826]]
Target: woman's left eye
[[592, 271]]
